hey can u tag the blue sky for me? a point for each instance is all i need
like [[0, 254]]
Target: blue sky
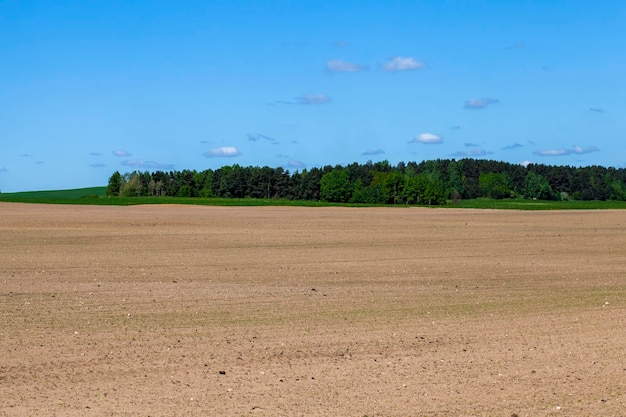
[[91, 87]]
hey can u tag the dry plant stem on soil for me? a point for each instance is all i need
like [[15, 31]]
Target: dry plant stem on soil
[[229, 311]]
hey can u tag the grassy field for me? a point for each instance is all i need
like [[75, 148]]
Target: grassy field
[[97, 196], [37, 196], [518, 204]]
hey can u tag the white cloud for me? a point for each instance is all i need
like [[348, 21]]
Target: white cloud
[[577, 150], [280, 102], [140, 163], [97, 165], [224, 151], [473, 153], [313, 99], [338, 65], [580, 150], [512, 146], [158, 165], [304, 99], [427, 138], [121, 152], [480, 103], [526, 163], [295, 164], [135, 164], [403, 64], [258, 136], [371, 152], [553, 152]]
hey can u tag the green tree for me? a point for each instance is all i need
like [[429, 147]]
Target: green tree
[[309, 187], [435, 190], [495, 185], [455, 172], [413, 189], [536, 186], [131, 187], [618, 190], [335, 186], [393, 188], [115, 183], [185, 191]]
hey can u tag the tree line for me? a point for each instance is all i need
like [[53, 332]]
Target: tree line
[[433, 182]]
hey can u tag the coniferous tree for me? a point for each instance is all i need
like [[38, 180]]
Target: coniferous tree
[[115, 183]]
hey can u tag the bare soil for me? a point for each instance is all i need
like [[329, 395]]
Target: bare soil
[[275, 311]]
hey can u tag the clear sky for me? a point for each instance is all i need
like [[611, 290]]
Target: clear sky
[[90, 87]]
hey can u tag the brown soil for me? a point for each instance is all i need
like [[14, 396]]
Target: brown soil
[[214, 311]]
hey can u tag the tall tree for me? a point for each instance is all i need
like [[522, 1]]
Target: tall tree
[[115, 183], [494, 185], [335, 186], [536, 186]]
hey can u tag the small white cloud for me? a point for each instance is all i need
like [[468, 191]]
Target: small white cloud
[[578, 150], [553, 152], [121, 152], [313, 99], [403, 64], [512, 146], [280, 102], [97, 165], [371, 152], [140, 163], [95, 154], [473, 153], [224, 151], [526, 163], [294, 164], [135, 164], [338, 65], [480, 103], [255, 137], [427, 138], [597, 110]]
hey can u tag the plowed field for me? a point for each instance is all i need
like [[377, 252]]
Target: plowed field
[[276, 311]]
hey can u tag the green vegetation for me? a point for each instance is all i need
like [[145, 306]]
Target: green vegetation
[[425, 183], [85, 194], [467, 183], [97, 196], [521, 204], [81, 196]]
